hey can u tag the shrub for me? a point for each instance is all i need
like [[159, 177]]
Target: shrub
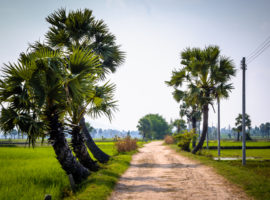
[[169, 139], [185, 138], [126, 144]]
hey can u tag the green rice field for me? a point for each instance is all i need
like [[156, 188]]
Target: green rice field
[[30, 173]]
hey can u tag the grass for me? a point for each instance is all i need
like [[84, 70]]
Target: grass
[[27, 173], [99, 185], [254, 178], [238, 143], [261, 154]]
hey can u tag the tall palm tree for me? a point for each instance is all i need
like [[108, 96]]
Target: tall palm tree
[[80, 28], [202, 75], [51, 86], [85, 66]]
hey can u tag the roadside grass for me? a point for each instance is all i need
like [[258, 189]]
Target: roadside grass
[[27, 173], [254, 178], [99, 185]]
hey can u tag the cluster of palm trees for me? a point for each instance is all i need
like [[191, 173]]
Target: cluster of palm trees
[[202, 79], [55, 84]]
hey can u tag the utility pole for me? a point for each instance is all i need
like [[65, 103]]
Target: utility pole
[[244, 112], [218, 126]]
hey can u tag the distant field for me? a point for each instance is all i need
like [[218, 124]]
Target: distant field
[[27, 173], [238, 143], [258, 153]]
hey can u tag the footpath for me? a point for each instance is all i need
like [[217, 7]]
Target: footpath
[[159, 173]]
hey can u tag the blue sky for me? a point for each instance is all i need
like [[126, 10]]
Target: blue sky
[[153, 33]]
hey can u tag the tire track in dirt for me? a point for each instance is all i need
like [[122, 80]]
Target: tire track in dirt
[[158, 172]]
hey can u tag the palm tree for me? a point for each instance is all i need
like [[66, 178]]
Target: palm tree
[[81, 63], [102, 104], [238, 125], [223, 87], [187, 108], [98, 100], [80, 28], [48, 79], [180, 125], [191, 111], [202, 75]]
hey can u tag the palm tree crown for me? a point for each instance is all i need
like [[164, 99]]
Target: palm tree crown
[[204, 76]]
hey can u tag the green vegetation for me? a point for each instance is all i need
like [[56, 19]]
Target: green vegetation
[[203, 78], [179, 124], [54, 84], [99, 185], [259, 154], [30, 173], [239, 143], [184, 139], [153, 126], [254, 177], [238, 126]]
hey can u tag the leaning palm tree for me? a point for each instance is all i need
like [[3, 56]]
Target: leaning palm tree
[[202, 75], [80, 28], [102, 104], [50, 86], [97, 100], [85, 68]]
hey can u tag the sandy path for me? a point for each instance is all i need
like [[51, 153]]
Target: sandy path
[[158, 172]]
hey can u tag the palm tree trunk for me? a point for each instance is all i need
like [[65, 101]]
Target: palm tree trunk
[[80, 150], [96, 151], [238, 135], [194, 121], [63, 153], [205, 129]]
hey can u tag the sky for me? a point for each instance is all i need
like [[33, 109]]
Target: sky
[[153, 33]]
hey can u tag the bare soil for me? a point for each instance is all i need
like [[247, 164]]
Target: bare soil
[[157, 172]]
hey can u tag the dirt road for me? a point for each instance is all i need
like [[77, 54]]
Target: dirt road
[[159, 173]]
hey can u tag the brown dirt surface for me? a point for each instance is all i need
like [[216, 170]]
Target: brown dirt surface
[[157, 172]]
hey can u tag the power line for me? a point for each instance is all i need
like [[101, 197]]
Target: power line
[[259, 50], [259, 53], [259, 47], [263, 47]]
